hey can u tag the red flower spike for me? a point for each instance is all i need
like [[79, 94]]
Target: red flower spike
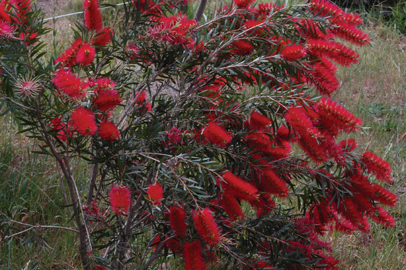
[[238, 187], [106, 99], [259, 121], [243, 4], [69, 84], [231, 206], [216, 134], [381, 216], [192, 256], [384, 196], [336, 118], [56, 123], [270, 182], [174, 245], [348, 145], [301, 123], [155, 193], [141, 97], [177, 216], [293, 52], [350, 33], [333, 50], [68, 58], [325, 7], [85, 55], [108, 131], [6, 30], [257, 30], [377, 166], [92, 15], [83, 121], [207, 227], [103, 37], [242, 47], [4, 16], [352, 18], [120, 199]]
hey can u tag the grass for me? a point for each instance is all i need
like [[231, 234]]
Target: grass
[[374, 90]]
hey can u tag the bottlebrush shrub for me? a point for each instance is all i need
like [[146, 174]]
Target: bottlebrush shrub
[[190, 131]]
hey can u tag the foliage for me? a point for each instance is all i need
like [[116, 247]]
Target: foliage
[[189, 129]]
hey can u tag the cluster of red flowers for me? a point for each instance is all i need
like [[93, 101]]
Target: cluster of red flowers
[[155, 193], [120, 199], [175, 30], [8, 23]]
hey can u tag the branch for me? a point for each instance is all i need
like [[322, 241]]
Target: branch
[[200, 10]]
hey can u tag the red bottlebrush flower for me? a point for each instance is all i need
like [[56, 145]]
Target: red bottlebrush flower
[[333, 50], [231, 206], [310, 29], [66, 130], [140, 97], [99, 267], [108, 131], [270, 182], [325, 7], [384, 196], [69, 84], [313, 148], [56, 123], [28, 38], [259, 121], [155, 193], [174, 135], [258, 30], [300, 122], [174, 245], [264, 205], [336, 118], [381, 216], [350, 33], [4, 16], [192, 256], [92, 15], [243, 4], [120, 199], [293, 52], [352, 18], [264, 9], [6, 30], [323, 78], [207, 227], [377, 166], [348, 145], [85, 55], [177, 216], [284, 133], [106, 99], [68, 58], [238, 187], [103, 37], [216, 134], [348, 210], [83, 121], [242, 47], [327, 64]]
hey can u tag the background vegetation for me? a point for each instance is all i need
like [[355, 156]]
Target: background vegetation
[[374, 90]]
